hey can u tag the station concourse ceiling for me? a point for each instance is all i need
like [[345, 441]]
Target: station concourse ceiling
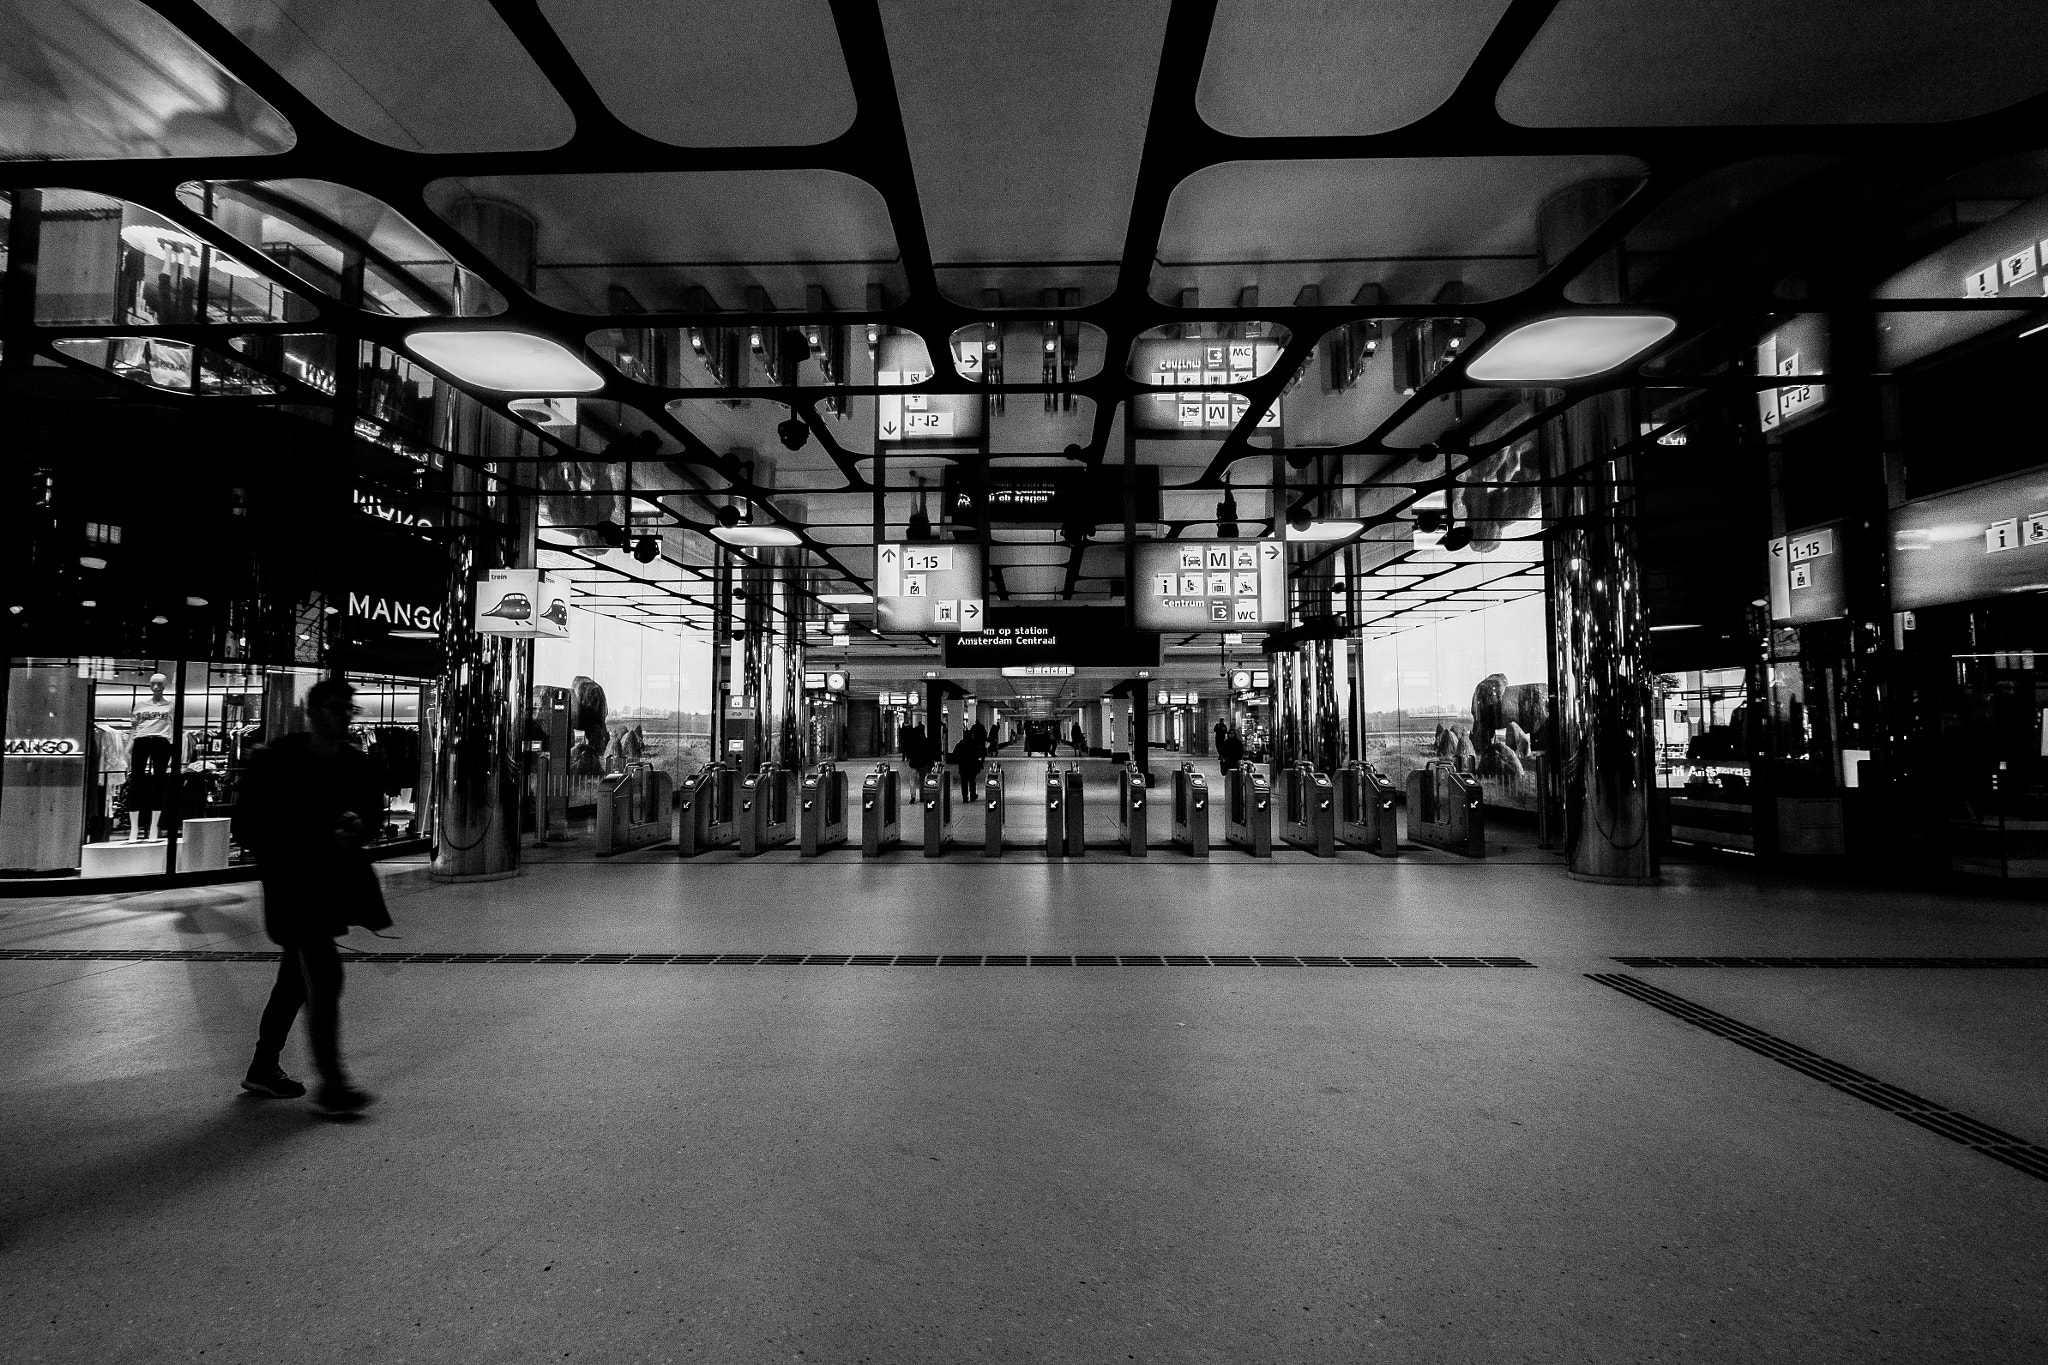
[[907, 179]]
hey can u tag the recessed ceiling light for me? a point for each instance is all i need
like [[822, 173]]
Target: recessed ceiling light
[[509, 362], [1575, 346], [1690, 626], [1326, 530], [195, 601], [845, 599], [92, 561], [414, 635], [757, 535]]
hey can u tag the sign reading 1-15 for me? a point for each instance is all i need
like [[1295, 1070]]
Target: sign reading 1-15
[[929, 587]]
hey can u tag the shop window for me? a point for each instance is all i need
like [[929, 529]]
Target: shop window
[[173, 366], [103, 261]]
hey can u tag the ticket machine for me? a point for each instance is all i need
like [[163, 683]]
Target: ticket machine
[[992, 818], [767, 814], [703, 810], [1446, 810], [1130, 810], [633, 809], [878, 818], [936, 800], [1368, 810], [821, 815], [1248, 813], [1064, 813], [1309, 816], [1190, 811]]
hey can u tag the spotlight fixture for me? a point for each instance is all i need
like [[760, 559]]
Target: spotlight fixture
[[729, 515], [1300, 459], [612, 534], [1430, 520], [1299, 517], [647, 549], [1456, 538], [794, 432], [157, 620]]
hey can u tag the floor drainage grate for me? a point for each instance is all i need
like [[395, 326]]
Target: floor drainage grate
[[773, 959], [1995, 1143], [1894, 963]]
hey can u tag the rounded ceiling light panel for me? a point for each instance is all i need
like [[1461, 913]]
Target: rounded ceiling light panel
[[846, 599], [1575, 346], [507, 362], [757, 536]]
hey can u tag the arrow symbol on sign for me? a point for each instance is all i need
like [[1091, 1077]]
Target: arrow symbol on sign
[[888, 428], [889, 556], [1270, 550], [972, 610]]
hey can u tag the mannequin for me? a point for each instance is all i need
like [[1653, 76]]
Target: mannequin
[[149, 756]]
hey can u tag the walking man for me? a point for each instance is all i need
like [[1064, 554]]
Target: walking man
[[306, 805]]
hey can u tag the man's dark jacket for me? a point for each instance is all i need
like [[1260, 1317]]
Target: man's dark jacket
[[287, 809]]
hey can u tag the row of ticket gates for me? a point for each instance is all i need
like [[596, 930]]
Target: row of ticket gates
[[1318, 812]]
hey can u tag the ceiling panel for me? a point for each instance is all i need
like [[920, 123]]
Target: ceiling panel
[[713, 75], [445, 77], [1336, 68], [1661, 63], [1407, 225], [1057, 95]]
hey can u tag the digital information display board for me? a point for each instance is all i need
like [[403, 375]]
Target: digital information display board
[[1210, 585], [1073, 637], [929, 589]]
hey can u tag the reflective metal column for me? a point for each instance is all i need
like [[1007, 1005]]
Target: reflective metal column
[[1601, 704], [486, 686]]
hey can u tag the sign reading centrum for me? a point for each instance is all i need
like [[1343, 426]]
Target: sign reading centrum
[[1210, 585], [929, 588]]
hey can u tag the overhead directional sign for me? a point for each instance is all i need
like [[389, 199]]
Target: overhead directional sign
[[925, 589], [1209, 585]]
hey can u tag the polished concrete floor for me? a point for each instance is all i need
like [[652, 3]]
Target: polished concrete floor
[[903, 1163]]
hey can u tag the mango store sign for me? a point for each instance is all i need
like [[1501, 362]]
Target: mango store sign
[[390, 611], [524, 603]]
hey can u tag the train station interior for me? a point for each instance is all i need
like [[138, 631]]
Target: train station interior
[[1464, 777]]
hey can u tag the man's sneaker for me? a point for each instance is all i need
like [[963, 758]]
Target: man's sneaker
[[341, 1098], [272, 1083]]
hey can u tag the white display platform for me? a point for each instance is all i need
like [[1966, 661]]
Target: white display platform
[[203, 845], [122, 858]]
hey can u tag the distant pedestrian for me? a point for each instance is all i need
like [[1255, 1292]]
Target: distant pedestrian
[[1080, 740], [1222, 737], [305, 806], [967, 756]]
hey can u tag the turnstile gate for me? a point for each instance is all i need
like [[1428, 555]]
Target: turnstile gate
[[1368, 813], [878, 822], [633, 809], [1130, 810], [767, 815], [821, 819], [937, 801], [992, 817], [1190, 811], [703, 814], [1248, 814], [1309, 815], [1446, 810], [1064, 813]]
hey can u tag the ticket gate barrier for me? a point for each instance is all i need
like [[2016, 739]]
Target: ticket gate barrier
[[1248, 814], [821, 817], [879, 829], [1368, 811], [1309, 814], [937, 800], [704, 805], [633, 809], [1190, 811], [1064, 813], [1130, 810], [767, 814], [1445, 810], [992, 822]]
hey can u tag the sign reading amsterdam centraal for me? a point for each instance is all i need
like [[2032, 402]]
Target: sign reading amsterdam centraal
[[1209, 585], [929, 588]]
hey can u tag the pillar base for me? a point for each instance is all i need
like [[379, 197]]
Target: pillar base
[[1653, 879], [507, 874]]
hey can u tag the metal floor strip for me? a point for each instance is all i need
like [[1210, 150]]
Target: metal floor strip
[[1878, 963], [774, 959], [2000, 1146]]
